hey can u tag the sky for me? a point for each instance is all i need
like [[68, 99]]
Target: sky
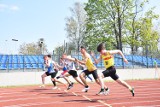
[[29, 20]]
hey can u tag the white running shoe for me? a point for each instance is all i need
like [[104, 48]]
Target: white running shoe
[[104, 92], [54, 88], [85, 89], [42, 86]]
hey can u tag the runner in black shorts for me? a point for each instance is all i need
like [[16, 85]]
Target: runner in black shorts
[[94, 73], [108, 60], [51, 71], [111, 72], [91, 69], [72, 70]]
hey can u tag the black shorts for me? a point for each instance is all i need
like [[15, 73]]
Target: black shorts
[[73, 73], [111, 71], [53, 74], [94, 73]]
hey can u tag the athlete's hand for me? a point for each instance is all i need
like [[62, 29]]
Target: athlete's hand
[[92, 54], [76, 59], [125, 60]]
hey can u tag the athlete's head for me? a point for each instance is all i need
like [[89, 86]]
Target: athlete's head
[[45, 57], [49, 55], [101, 47], [82, 49], [64, 55]]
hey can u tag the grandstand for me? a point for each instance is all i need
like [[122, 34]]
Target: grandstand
[[15, 62], [21, 62]]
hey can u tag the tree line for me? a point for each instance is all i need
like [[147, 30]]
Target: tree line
[[118, 23]]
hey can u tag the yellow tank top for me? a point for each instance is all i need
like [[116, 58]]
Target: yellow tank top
[[108, 60], [90, 66]]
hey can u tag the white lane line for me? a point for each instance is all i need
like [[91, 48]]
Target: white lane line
[[102, 102], [19, 95], [136, 102], [65, 91], [147, 106], [38, 103], [96, 106], [21, 99], [10, 93], [74, 94], [86, 97]]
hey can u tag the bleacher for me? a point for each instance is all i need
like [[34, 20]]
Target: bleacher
[[21, 62], [14, 62]]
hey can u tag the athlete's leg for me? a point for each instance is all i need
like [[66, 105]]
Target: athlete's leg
[[68, 81], [123, 83], [82, 77], [43, 78], [76, 78], [56, 80]]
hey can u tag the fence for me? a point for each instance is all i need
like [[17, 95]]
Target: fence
[[29, 62]]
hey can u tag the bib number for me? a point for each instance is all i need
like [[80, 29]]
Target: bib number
[[106, 62]]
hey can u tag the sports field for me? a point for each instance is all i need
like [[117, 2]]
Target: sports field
[[147, 94]]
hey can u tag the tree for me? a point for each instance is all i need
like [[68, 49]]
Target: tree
[[115, 21], [75, 25], [32, 48]]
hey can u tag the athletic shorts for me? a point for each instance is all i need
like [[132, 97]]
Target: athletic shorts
[[73, 73], [64, 68], [53, 74], [111, 72], [94, 73]]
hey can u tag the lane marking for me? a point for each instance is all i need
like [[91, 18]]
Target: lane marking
[[86, 98], [65, 91], [147, 106], [136, 102], [38, 103], [74, 94], [22, 99], [10, 93], [102, 102]]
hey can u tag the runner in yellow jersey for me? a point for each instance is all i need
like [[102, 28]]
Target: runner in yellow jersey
[[91, 69], [108, 60]]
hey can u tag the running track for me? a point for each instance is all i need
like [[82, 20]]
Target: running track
[[147, 94]]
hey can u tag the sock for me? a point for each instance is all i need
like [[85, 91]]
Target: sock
[[58, 77], [86, 86]]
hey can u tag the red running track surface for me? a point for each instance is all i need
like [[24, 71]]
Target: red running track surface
[[147, 94]]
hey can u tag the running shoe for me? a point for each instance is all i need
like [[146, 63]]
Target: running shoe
[[54, 88], [132, 91], [70, 86], [85, 89], [42, 86], [102, 91]]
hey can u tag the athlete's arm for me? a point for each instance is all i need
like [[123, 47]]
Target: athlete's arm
[[96, 60], [86, 56], [83, 62], [57, 65], [70, 58], [47, 63], [120, 53]]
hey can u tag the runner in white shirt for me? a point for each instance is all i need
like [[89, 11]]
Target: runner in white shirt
[[71, 70]]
